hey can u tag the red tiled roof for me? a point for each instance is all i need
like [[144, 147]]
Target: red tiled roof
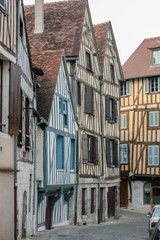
[[140, 62], [49, 62], [101, 31], [63, 22]]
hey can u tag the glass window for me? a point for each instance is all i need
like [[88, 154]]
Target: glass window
[[124, 153], [156, 57], [147, 192], [153, 155], [88, 61], [125, 88], [154, 85], [65, 113]]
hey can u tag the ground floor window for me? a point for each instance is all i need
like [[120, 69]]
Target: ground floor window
[[147, 193], [83, 201], [93, 190]]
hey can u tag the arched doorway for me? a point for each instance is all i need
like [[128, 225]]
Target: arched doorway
[[24, 215]]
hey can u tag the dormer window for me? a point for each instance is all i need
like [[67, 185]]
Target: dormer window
[[156, 57]]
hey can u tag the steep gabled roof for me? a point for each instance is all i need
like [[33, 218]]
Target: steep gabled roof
[[49, 62], [101, 32], [63, 23], [140, 62]]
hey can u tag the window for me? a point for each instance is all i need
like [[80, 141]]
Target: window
[[79, 93], [112, 73], [27, 142], [88, 61], [124, 153], [110, 109], [21, 29], [89, 149], [83, 201], [154, 119], [93, 190], [153, 155], [0, 95], [63, 109], [89, 103], [152, 85], [65, 113], [72, 157], [2, 4], [125, 88], [19, 139], [156, 57], [123, 121], [60, 152], [147, 192], [30, 191], [112, 152]]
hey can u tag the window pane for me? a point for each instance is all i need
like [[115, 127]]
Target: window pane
[[147, 191], [156, 196]]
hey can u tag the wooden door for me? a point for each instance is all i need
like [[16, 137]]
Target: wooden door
[[48, 214], [101, 205], [123, 193], [155, 196], [111, 201]]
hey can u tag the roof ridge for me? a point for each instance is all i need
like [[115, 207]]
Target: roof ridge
[[102, 23], [151, 38]]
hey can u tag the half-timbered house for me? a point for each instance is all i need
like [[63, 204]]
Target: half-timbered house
[[110, 104], [8, 27], [56, 148], [139, 126], [70, 27]]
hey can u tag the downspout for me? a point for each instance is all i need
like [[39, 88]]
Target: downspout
[[102, 144], [77, 155], [15, 137]]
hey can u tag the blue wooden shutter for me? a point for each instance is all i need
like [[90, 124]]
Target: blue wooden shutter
[[60, 152], [72, 156], [146, 85]]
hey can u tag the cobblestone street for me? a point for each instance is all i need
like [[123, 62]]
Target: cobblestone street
[[130, 226]]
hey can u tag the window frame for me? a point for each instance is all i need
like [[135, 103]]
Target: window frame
[[63, 111], [157, 57], [112, 160], [125, 88], [122, 145], [144, 193], [86, 156], [111, 113], [153, 160]]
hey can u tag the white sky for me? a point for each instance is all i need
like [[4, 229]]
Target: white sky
[[132, 21]]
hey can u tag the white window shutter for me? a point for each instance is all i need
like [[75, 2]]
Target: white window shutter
[[128, 88], [146, 85]]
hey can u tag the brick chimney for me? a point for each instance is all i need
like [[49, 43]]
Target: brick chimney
[[39, 16]]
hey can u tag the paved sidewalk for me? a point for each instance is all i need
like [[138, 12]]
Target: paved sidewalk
[[130, 226]]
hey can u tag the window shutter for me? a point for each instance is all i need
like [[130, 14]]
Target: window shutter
[[156, 118], [121, 153], [158, 84], [79, 93], [115, 153], [14, 100], [108, 152], [96, 150], [128, 88], [115, 110], [84, 148], [107, 108], [89, 100], [146, 85]]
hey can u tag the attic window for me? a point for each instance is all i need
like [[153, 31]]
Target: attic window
[[88, 62], [156, 57]]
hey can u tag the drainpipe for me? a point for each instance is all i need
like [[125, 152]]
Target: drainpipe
[[102, 144], [15, 137]]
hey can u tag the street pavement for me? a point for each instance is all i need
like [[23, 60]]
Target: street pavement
[[130, 226]]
